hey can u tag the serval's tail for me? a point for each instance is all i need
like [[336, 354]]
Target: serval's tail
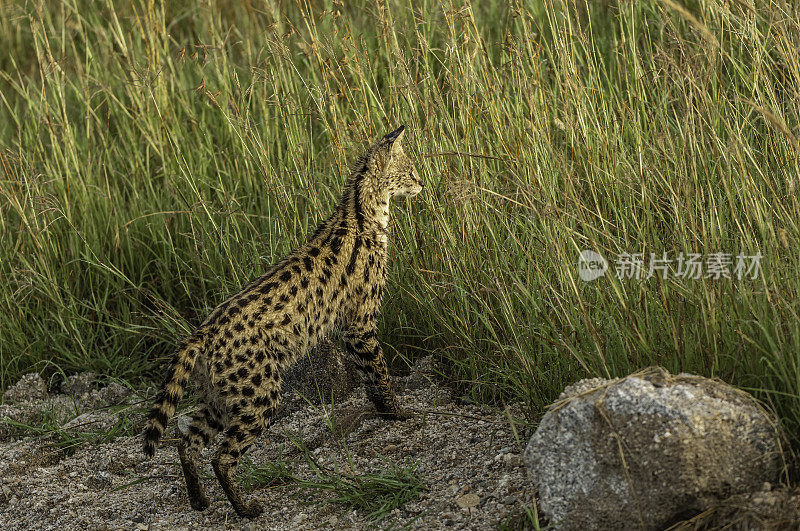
[[171, 392]]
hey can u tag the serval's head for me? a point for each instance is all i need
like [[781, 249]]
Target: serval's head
[[394, 170]]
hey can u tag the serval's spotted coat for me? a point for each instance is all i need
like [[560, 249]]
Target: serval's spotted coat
[[335, 281]]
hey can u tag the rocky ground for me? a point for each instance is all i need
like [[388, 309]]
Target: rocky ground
[[466, 456]]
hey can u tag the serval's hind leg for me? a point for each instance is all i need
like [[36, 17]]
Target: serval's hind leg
[[240, 434], [204, 427], [252, 417]]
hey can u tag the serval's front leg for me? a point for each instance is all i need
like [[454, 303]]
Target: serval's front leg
[[363, 348]]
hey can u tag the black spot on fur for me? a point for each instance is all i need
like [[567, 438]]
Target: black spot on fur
[[336, 245], [160, 416], [213, 423], [351, 265], [266, 288]]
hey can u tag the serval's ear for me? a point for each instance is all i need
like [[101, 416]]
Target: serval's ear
[[394, 139]]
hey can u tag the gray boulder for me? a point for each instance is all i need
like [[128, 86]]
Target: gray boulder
[[648, 450]]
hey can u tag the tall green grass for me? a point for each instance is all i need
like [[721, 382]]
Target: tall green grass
[[155, 156]]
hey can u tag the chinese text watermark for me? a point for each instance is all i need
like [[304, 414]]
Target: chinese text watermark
[[716, 265]]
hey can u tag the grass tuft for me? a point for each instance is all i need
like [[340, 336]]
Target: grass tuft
[[376, 493], [49, 428]]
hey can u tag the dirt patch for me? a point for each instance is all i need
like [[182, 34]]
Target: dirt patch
[[467, 457]]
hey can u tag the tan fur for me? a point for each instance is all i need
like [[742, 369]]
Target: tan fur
[[334, 281]]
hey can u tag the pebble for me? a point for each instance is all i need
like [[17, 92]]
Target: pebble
[[468, 500]]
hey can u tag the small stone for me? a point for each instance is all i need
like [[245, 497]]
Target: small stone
[[512, 461], [468, 500], [183, 422]]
